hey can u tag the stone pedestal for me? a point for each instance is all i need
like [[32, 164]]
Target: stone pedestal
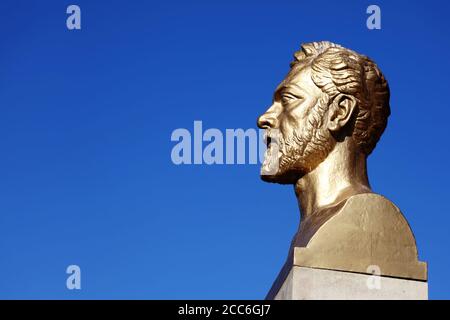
[[302, 283]]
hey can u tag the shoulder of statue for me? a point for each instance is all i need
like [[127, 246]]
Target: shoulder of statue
[[371, 217], [371, 208], [368, 229], [368, 199]]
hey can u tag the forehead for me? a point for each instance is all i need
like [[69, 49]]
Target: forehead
[[300, 76]]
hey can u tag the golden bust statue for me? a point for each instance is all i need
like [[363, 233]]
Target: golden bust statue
[[326, 118]]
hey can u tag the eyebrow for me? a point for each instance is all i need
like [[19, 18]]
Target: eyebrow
[[283, 87]]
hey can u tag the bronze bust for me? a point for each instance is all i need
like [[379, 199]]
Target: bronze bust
[[326, 118]]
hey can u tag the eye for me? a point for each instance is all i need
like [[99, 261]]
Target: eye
[[287, 98]]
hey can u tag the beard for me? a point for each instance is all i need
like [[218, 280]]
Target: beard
[[289, 158]]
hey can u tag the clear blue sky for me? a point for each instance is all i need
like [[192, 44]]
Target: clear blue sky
[[86, 118]]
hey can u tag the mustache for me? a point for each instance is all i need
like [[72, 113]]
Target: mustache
[[273, 136]]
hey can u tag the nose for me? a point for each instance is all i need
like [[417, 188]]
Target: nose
[[268, 120]]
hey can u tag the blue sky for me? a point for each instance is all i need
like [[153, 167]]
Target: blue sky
[[86, 119]]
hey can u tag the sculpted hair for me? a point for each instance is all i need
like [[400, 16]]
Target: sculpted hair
[[336, 70]]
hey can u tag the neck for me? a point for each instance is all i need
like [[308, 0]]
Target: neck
[[341, 175]]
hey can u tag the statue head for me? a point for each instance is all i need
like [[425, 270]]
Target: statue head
[[331, 95]]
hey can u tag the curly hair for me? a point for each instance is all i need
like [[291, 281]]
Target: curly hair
[[336, 70]]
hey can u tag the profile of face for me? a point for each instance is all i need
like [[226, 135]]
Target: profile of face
[[329, 92], [296, 128]]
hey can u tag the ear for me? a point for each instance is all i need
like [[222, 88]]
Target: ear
[[341, 111]]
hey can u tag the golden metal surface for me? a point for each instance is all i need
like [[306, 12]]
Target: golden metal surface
[[328, 115]]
